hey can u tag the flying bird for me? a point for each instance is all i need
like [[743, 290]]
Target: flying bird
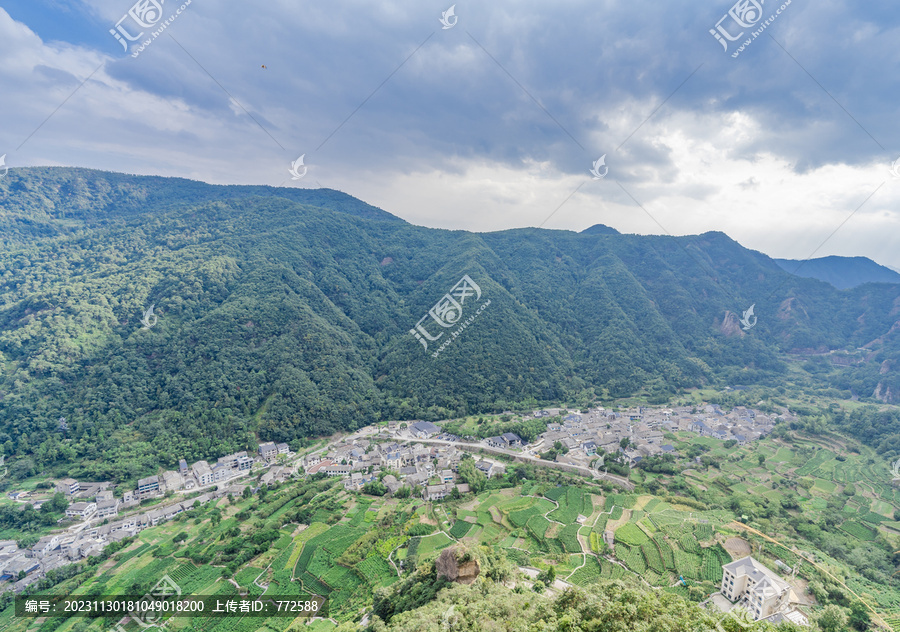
[[264, 67]]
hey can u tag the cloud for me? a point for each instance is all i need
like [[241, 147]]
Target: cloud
[[494, 123]]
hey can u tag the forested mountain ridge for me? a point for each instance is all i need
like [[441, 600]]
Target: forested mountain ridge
[[42, 197], [286, 313], [841, 272]]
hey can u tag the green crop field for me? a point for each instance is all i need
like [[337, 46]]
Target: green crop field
[[665, 551], [631, 534], [430, 545], [588, 574], [537, 526], [515, 504], [631, 557], [568, 537], [572, 503], [460, 529], [521, 518], [825, 486], [377, 572], [858, 530], [626, 501], [653, 558]]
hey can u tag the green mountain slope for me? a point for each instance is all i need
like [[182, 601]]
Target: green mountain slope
[[286, 313], [841, 272]]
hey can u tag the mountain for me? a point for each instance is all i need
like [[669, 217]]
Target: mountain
[[283, 314], [842, 272], [600, 229]]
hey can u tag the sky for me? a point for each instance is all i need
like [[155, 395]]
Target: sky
[[492, 118]]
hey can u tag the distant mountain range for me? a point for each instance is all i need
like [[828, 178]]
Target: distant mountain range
[[842, 272], [289, 313]]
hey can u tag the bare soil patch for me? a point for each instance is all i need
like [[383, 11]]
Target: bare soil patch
[[737, 548]]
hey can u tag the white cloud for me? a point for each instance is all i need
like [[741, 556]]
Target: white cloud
[[754, 148]]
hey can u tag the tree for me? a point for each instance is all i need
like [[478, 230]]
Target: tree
[[831, 619], [547, 577], [56, 504], [403, 492], [624, 443], [475, 478], [859, 616], [761, 458], [375, 488]]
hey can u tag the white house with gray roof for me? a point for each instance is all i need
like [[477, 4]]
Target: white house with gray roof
[[754, 587]]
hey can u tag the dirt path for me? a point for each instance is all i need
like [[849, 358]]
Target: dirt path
[[583, 562]]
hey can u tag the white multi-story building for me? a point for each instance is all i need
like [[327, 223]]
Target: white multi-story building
[[81, 510], [67, 486], [107, 508], [221, 473], [202, 473], [754, 587], [172, 481]]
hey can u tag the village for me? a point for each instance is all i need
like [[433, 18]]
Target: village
[[101, 518], [423, 457], [417, 455]]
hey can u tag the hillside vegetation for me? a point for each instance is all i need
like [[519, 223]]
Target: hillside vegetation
[[285, 314], [824, 512]]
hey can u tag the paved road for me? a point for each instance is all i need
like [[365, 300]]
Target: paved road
[[618, 480]]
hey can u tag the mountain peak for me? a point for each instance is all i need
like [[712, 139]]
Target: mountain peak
[[600, 229]]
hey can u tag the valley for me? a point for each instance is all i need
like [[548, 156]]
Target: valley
[[817, 510]]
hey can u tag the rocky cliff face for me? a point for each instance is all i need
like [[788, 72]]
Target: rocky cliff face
[[885, 393], [457, 565], [731, 325]]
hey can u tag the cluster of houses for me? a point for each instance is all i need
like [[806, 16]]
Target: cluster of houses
[[429, 470], [96, 501], [26, 566], [95, 504], [601, 431], [587, 436]]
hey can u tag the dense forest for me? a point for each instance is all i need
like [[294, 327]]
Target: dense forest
[[284, 314]]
